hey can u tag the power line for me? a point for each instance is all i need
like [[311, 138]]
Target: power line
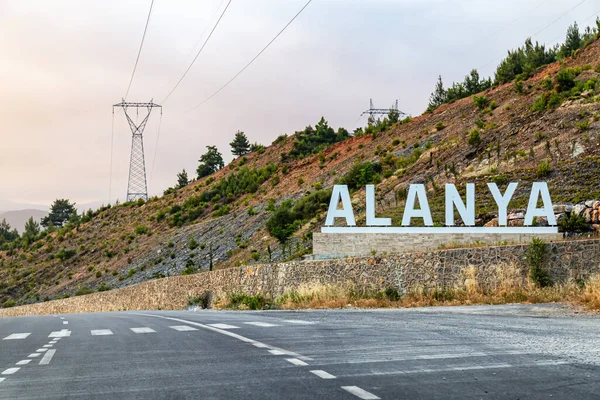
[[199, 51], [543, 29], [251, 61], [140, 50], [214, 14], [155, 148], [112, 138]]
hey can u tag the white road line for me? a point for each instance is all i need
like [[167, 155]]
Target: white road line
[[23, 362], [223, 326], [33, 355], [17, 336], [183, 328], [48, 345], [47, 357], [52, 342], [65, 322], [61, 333], [41, 350], [322, 374], [298, 321], [261, 324], [260, 345], [226, 333], [295, 361], [143, 330], [360, 393], [277, 352], [1, 379], [101, 332], [10, 371], [61, 317]]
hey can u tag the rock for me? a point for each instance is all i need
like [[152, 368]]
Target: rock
[[596, 204], [492, 223], [541, 221], [596, 227], [559, 208], [587, 214], [595, 216], [559, 217], [578, 209], [589, 203], [516, 215], [587, 93], [569, 208], [515, 222]]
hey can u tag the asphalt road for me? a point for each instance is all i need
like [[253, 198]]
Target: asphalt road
[[503, 352]]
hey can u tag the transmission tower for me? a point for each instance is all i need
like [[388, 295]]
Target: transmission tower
[[372, 111], [137, 188]]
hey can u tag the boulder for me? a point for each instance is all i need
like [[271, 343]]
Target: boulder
[[541, 221], [492, 223], [559, 208], [587, 214], [578, 209], [515, 215], [589, 203]]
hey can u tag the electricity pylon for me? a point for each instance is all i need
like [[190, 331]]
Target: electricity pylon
[[137, 187], [372, 111]]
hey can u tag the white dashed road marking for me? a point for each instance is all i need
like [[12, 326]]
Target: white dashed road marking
[[101, 332], [41, 350], [47, 357], [33, 355], [10, 371], [295, 361], [183, 328], [262, 324], [322, 374], [65, 322], [17, 336], [277, 352], [260, 345], [223, 326], [61, 317], [61, 333], [298, 321], [47, 345], [360, 393], [23, 362], [1, 379], [143, 330]]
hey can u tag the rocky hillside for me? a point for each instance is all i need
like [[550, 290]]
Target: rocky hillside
[[546, 127]]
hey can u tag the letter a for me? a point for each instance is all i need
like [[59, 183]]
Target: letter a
[[537, 189], [340, 192]]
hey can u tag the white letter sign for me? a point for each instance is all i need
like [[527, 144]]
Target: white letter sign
[[340, 192], [371, 219], [453, 199], [414, 191]]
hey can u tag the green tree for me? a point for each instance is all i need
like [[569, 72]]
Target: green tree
[[282, 223], [438, 97], [210, 162], [32, 230], [182, 179], [572, 41], [393, 115], [240, 145], [61, 211], [6, 233]]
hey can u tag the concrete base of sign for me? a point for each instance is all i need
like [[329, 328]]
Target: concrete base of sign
[[329, 245]]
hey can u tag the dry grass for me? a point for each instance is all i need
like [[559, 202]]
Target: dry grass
[[512, 286]]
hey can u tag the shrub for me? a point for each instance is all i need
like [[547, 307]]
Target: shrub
[[170, 244], [481, 101], [544, 168], [192, 245], [536, 258], [103, 287], [439, 126], [474, 138], [142, 230], [98, 274], [519, 87], [256, 302], [573, 223], [83, 291], [362, 174], [279, 139], [583, 125], [64, 255], [547, 83], [252, 211], [565, 80], [395, 142]]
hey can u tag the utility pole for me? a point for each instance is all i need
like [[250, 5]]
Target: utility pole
[[372, 111], [137, 187]]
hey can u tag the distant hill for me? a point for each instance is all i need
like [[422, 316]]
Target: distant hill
[[17, 218]]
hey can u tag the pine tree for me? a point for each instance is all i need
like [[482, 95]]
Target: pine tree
[[32, 229], [572, 41], [438, 97], [240, 145], [182, 179], [210, 162], [61, 211]]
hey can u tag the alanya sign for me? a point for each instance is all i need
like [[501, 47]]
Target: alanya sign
[[417, 192]]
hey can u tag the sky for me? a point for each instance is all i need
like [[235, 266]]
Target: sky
[[64, 63]]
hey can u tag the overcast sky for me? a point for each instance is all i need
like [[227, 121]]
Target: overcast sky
[[64, 63]]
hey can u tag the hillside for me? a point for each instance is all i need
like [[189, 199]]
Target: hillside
[[511, 132]]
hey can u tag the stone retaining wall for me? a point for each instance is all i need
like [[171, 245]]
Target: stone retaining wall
[[567, 261]]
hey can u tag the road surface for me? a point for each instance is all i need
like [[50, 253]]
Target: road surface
[[502, 352]]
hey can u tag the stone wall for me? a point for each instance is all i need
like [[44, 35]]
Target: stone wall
[[335, 245], [567, 261]]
